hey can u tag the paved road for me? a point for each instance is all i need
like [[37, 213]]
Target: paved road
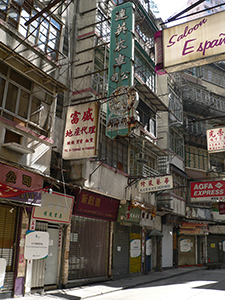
[[201, 284]]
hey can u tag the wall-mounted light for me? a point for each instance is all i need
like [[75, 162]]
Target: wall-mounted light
[[49, 190]]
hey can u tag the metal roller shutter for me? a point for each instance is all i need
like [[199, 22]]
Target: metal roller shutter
[[121, 250], [89, 247], [8, 234]]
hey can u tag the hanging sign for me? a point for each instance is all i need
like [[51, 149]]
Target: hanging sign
[[194, 43], [216, 140], [80, 138], [207, 191], [123, 98], [155, 184], [55, 208]]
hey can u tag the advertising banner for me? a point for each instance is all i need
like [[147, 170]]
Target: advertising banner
[[208, 191], [197, 42], [81, 131]]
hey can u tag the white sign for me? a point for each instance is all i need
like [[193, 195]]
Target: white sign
[[216, 140], [193, 43], [55, 208], [185, 245], [135, 248], [155, 184], [36, 244], [2, 271], [149, 247], [80, 136]]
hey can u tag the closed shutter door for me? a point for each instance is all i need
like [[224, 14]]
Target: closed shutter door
[[89, 247], [121, 250], [8, 235], [38, 265]]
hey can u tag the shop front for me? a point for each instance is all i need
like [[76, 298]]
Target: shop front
[[52, 217], [216, 244], [90, 252], [19, 190], [127, 248], [192, 243]]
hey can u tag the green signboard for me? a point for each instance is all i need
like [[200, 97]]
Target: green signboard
[[123, 99]]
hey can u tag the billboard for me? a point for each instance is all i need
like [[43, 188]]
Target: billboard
[[216, 140], [208, 191], [80, 138], [194, 43]]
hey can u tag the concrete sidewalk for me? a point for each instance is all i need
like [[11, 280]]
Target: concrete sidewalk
[[88, 291]]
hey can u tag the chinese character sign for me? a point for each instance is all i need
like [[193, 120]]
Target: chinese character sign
[[216, 140], [55, 208], [155, 184], [80, 137], [121, 66]]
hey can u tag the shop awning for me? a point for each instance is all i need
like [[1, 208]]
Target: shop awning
[[147, 93], [155, 233]]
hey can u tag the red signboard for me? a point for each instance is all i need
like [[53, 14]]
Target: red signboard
[[208, 191], [20, 179], [222, 208], [97, 206]]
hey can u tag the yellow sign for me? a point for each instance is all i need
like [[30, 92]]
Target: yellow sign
[[213, 245]]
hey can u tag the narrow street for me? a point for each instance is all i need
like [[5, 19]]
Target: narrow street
[[182, 283], [202, 284]]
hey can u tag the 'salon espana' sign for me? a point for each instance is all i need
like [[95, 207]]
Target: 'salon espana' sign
[[193, 43]]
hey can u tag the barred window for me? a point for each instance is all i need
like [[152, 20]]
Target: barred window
[[44, 32]]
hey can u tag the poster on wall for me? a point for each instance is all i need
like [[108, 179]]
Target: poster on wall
[[185, 245], [135, 248]]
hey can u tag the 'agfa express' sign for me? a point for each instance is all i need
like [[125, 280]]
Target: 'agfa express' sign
[[207, 191]]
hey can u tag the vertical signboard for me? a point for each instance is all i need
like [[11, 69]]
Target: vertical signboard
[[216, 140], [123, 99], [80, 137]]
